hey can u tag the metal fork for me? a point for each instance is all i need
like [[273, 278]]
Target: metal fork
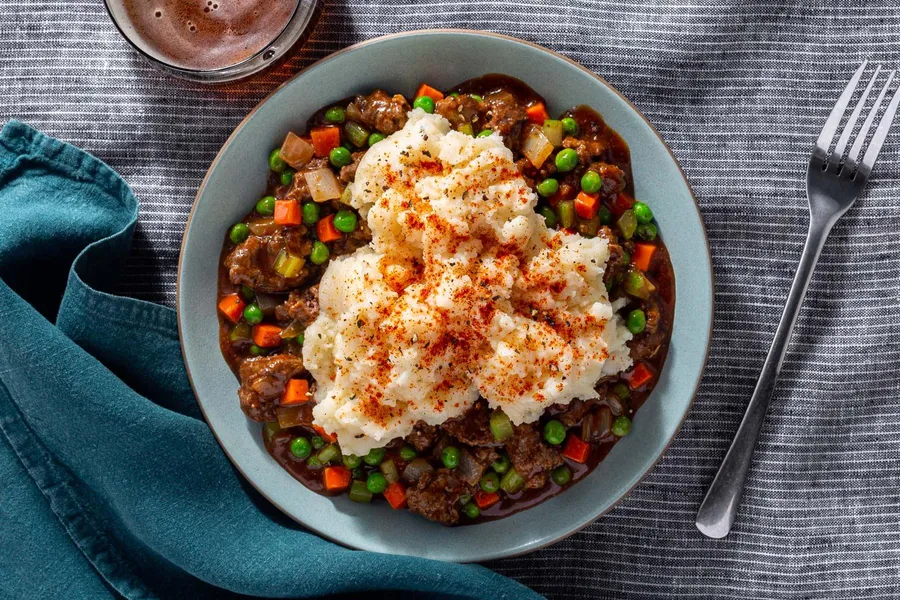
[[833, 183]]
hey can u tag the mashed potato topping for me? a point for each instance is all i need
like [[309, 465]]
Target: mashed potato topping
[[462, 293]]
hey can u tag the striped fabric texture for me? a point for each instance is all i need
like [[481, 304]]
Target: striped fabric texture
[[739, 89]]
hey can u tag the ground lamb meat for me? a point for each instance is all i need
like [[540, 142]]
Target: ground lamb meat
[[473, 463], [505, 115], [586, 148], [613, 178], [646, 344], [252, 262], [436, 496], [460, 110], [348, 173], [379, 111], [263, 380], [474, 427], [300, 306], [350, 242], [531, 458], [423, 436], [574, 412]]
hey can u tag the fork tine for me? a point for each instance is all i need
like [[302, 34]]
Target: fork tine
[[853, 157], [851, 122], [868, 160], [834, 119]]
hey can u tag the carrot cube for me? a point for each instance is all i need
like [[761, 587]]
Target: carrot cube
[[287, 212], [484, 499], [296, 392], [620, 204], [232, 307], [336, 478], [642, 255], [427, 90], [325, 139], [640, 376], [324, 434], [587, 205], [326, 230], [537, 113], [576, 449], [267, 336], [395, 494]]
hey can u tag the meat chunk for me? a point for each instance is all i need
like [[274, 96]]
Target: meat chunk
[[348, 173], [613, 177], [350, 242], [586, 148], [252, 262], [263, 380], [473, 463], [531, 458], [436, 496], [505, 115], [646, 344], [474, 427], [379, 111], [423, 436], [300, 306], [574, 412], [460, 110]]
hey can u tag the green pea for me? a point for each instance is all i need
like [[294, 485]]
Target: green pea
[[501, 465], [276, 163], [375, 138], [376, 483], [490, 482], [247, 293], [476, 97], [570, 126], [314, 462], [374, 457], [566, 160], [554, 432], [646, 232], [642, 212], [351, 461], [621, 426], [549, 216], [256, 350], [319, 254], [454, 95], [317, 442], [340, 157], [253, 314], [621, 390], [407, 453], [548, 187], [561, 475], [425, 103], [238, 233], [605, 215], [311, 212], [450, 457], [300, 447], [266, 206], [345, 220], [287, 177], [636, 321], [591, 182], [335, 114], [300, 339], [471, 510], [484, 133]]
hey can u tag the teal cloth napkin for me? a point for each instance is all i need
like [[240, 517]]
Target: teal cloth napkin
[[111, 484]]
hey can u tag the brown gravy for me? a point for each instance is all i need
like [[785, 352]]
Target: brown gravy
[[208, 34]]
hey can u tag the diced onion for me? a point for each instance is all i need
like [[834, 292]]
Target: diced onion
[[263, 227], [553, 129], [292, 416], [323, 185], [415, 469], [293, 330], [536, 146], [296, 151], [268, 302]]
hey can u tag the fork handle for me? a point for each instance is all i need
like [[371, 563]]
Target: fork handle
[[717, 512]]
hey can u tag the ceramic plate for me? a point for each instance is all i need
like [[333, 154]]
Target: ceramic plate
[[399, 63]]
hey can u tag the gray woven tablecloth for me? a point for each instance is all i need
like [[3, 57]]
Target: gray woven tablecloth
[[739, 90]]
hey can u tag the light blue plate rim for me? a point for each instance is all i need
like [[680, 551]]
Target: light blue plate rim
[[338, 519]]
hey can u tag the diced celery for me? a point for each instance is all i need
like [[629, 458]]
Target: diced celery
[[589, 227], [288, 265], [512, 482], [329, 453], [627, 223], [356, 133], [553, 129], [359, 492], [636, 284], [566, 210], [501, 426], [389, 469]]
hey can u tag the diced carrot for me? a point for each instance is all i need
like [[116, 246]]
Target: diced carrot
[[232, 307], [267, 336], [324, 434], [325, 139], [576, 449], [620, 204], [587, 205], [427, 90], [640, 376], [395, 494], [296, 392], [484, 499], [537, 113], [287, 212], [336, 478], [326, 230], [642, 255]]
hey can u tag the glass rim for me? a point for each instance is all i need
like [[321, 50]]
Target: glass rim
[[293, 35]]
